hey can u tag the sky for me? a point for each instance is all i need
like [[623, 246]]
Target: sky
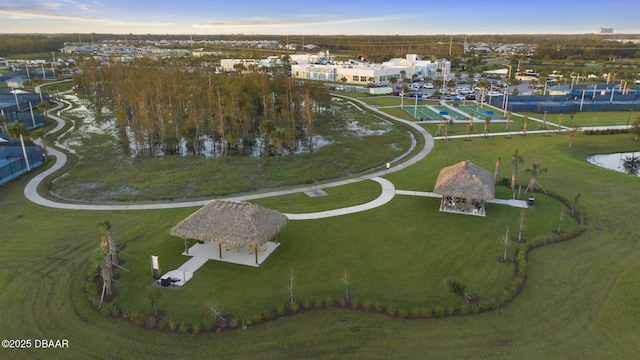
[[319, 17]]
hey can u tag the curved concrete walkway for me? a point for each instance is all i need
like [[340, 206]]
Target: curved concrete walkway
[[388, 190]]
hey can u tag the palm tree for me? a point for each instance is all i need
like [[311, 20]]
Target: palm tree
[[110, 246], [102, 261], [525, 120], [631, 164], [42, 135], [496, 172], [516, 159], [559, 123], [535, 170], [17, 129], [487, 120], [458, 288]]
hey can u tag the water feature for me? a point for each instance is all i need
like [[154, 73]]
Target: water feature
[[611, 161]]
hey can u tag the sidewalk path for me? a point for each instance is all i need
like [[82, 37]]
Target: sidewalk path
[[388, 190]]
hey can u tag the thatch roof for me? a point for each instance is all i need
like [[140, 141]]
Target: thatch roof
[[465, 180], [234, 223]]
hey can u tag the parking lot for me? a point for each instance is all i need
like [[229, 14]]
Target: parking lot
[[465, 89]]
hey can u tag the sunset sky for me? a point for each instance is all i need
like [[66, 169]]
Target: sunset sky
[[323, 17]]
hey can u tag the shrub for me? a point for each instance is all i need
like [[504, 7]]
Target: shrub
[[366, 304], [233, 322], [425, 312], [151, 322], [184, 328], [256, 318], [378, 306], [280, 309], [172, 325], [465, 309], [196, 328], [355, 303], [451, 310], [403, 314], [440, 311], [391, 310], [294, 307]]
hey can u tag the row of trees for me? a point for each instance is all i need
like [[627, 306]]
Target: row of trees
[[28, 44], [159, 106]]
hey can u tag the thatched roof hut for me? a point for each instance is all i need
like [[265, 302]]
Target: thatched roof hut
[[237, 224], [465, 180]]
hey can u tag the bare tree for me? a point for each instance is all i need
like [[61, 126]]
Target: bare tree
[[345, 281], [290, 286], [215, 310], [521, 226], [505, 243]]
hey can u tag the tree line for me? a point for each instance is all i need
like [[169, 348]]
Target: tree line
[[28, 44], [171, 108]]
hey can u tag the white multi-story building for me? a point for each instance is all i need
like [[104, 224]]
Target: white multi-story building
[[363, 73], [231, 64]]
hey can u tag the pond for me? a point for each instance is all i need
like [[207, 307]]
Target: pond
[[611, 161]]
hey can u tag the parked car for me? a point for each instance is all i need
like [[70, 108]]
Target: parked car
[[470, 97], [428, 86], [340, 88]]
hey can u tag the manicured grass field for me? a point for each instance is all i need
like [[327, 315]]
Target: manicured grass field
[[580, 299]]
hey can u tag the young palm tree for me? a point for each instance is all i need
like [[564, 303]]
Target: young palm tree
[[559, 123], [487, 120], [458, 288], [535, 170], [516, 159], [496, 172], [17, 129], [102, 261], [110, 247], [525, 120]]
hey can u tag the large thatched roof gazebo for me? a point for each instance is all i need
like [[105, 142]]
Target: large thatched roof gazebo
[[232, 225], [465, 187]]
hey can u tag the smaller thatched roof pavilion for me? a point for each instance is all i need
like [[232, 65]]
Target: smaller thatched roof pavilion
[[233, 224], [465, 187]]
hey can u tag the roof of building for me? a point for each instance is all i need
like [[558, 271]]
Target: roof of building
[[465, 180], [234, 223]]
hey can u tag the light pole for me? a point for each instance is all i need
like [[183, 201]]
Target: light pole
[[53, 66]]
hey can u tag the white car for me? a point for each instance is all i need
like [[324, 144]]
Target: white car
[[428, 86], [340, 88]]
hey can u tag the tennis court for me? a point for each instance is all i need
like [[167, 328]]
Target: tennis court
[[422, 112], [479, 112], [452, 113]]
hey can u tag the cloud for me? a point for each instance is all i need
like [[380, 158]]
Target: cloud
[[301, 21], [21, 15]]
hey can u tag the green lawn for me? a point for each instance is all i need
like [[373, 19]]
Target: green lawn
[[580, 299]]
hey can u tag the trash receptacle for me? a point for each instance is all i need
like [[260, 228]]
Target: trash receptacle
[[166, 281], [530, 202]]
